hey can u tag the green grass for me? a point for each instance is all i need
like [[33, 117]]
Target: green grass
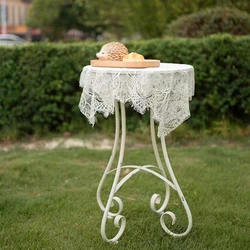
[[47, 200]]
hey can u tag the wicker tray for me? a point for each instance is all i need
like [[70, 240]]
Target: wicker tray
[[124, 64]]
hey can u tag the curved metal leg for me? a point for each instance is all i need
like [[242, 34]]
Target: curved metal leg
[[156, 198], [117, 133], [119, 220], [178, 189]]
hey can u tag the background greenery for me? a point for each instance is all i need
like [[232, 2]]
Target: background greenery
[[39, 90], [211, 21], [117, 19]]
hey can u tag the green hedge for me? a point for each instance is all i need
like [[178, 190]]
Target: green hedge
[[39, 83]]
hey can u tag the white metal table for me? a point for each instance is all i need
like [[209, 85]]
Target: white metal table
[[166, 91]]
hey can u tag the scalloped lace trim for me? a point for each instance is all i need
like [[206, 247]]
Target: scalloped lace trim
[[167, 93]]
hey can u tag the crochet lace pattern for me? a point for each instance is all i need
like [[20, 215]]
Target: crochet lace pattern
[[165, 90]]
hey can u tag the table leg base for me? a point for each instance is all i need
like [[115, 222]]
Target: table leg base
[[118, 219]]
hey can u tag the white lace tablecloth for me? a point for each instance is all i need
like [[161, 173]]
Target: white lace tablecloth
[[166, 90]]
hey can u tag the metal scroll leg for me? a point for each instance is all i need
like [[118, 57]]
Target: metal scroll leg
[[119, 220], [156, 198], [178, 189]]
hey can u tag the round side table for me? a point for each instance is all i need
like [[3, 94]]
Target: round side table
[[166, 92]]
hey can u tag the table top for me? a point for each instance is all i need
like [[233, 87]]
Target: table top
[[165, 90], [163, 67]]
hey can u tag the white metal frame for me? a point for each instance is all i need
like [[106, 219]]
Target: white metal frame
[[120, 220]]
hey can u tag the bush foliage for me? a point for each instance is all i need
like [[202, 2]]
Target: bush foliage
[[39, 83], [211, 21]]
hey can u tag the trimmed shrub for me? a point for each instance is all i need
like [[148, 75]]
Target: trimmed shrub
[[39, 88], [39, 83], [211, 21]]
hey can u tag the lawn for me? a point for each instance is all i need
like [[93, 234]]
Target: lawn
[[47, 199]]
